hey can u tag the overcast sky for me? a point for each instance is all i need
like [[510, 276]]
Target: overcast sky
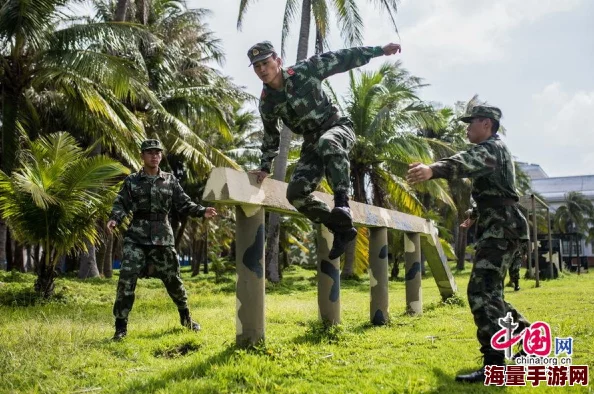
[[532, 58]]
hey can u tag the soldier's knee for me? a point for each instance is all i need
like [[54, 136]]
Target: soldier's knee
[[328, 146], [296, 192]]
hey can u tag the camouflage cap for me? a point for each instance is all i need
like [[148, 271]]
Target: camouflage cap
[[481, 111], [260, 51], [151, 144]]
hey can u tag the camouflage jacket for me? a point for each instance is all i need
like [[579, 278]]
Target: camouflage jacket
[[302, 103], [145, 196], [491, 166]]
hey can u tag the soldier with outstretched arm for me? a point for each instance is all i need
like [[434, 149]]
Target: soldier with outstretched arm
[[149, 195], [295, 96], [501, 227]]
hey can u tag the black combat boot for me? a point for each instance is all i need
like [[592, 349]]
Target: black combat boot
[[121, 329], [342, 237], [479, 375], [186, 320], [517, 285], [340, 217]]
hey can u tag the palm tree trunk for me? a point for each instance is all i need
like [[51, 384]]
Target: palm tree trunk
[[19, 261], [29, 266], [88, 263], [3, 229], [46, 274], [280, 162], [9, 254], [143, 11], [110, 251], [121, 9]]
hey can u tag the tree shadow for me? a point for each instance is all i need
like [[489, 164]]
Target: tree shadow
[[447, 383], [192, 370]]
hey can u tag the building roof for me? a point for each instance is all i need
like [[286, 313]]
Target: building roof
[[554, 189]]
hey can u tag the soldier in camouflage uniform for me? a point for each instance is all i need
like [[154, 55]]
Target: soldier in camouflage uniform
[[514, 268], [295, 96], [500, 228], [148, 247]]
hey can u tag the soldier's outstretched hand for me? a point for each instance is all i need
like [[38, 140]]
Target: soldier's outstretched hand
[[210, 213], [418, 172], [391, 49]]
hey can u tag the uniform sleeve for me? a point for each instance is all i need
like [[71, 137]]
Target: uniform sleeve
[[475, 162], [183, 203], [271, 140], [122, 204], [330, 63]]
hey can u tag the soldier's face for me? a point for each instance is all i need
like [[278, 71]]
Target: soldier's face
[[152, 158], [478, 130], [268, 69]]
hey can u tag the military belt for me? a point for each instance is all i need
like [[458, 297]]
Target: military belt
[[495, 202], [149, 216]]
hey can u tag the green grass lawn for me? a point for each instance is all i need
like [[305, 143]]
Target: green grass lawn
[[64, 345]]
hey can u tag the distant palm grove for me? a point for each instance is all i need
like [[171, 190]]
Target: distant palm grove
[[79, 94]]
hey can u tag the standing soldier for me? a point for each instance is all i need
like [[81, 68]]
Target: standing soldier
[[514, 268], [295, 96], [149, 195], [500, 227]]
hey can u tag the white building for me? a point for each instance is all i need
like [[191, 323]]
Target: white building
[[554, 189]]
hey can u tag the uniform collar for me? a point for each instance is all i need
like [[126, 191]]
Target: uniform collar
[[159, 174]]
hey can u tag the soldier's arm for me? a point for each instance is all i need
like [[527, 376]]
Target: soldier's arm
[[475, 162], [271, 140], [330, 63], [122, 204], [183, 203]]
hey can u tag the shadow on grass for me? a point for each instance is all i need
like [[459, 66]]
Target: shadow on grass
[[193, 370], [447, 383]]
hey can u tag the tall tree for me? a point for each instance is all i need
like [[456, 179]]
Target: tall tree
[[385, 108], [351, 30]]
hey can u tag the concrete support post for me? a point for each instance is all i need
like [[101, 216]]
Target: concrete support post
[[535, 236], [249, 240], [378, 275], [328, 279], [412, 256]]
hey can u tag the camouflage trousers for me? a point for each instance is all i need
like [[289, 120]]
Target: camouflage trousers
[[516, 264], [145, 260], [326, 154], [485, 290]]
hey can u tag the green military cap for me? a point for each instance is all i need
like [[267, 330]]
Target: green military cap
[[151, 144], [260, 51], [481, 111]]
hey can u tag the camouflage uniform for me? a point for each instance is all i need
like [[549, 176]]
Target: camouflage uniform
[[514, 269], [149, 241], [307, 110], [500, 228]]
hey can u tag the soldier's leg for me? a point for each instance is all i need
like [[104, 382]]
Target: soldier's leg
[[167, 269], [485, 293], [133, 261], [306, 177], [166, 266], [334, 147]]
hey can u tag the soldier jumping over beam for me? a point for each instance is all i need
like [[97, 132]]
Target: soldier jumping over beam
[[295, 96]]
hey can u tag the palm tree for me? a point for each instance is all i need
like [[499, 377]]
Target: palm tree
[[574, 217], [351, 26], [54, 197], [385, 108]]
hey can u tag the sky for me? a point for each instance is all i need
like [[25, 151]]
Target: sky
[[534, 59]]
